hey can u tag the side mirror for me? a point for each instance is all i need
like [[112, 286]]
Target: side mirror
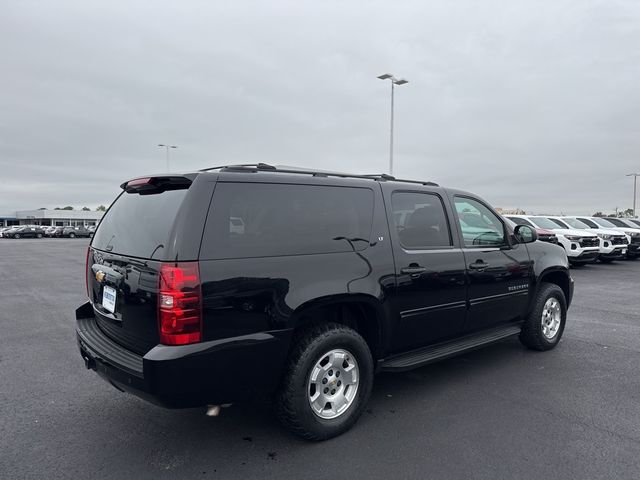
[[525, 234]]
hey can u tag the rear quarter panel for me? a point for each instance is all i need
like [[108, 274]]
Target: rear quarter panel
[[242, 296]]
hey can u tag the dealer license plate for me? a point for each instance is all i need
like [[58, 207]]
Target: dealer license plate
[[109, 299]]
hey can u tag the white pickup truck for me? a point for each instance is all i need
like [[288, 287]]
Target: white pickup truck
[[581, 246]]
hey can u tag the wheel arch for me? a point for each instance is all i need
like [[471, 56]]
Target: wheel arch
[[560, 277], [362, 312]]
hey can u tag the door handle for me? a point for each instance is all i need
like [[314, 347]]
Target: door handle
[[413, 270], [478, 265]]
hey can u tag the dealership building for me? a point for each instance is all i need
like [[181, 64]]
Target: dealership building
[[55, 218]]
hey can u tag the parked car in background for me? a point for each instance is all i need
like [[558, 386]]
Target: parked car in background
[[622, 222], [580, 245], [613, 243], [25, 232], [320, 287], [73, 232], [634, 221], [53, 231], [5, 232], [599, 223], [544, 235]]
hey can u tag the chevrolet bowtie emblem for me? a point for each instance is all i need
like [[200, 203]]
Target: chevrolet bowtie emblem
[[100, 276]]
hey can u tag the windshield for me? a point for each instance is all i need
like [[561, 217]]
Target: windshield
[[603, 223], [521, 221], [575, 223], [636, 222], [560, 223], [543, 222], [590, 223], [618, 222]]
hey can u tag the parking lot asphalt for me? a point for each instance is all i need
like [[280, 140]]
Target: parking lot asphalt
[[501, 412]]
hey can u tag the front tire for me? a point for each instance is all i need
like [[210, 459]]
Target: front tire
[[327, 383], [16, 236], [544, 325], [72, 235]]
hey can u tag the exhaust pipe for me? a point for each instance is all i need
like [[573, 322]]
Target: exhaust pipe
[[213, 410]]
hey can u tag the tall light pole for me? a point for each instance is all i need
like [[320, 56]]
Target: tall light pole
[[394, 81], [167, 147], [635, 178]]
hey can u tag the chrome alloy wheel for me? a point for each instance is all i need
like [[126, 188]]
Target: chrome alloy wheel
[[333, 384], [551, 318]]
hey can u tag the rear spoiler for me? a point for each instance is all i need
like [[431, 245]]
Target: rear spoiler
[[159, 184]]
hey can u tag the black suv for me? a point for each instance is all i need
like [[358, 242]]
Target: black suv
[[73, 232], [234, 282], [25, 232]]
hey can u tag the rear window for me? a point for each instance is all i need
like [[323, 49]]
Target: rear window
[[262, 220], [139, 225]]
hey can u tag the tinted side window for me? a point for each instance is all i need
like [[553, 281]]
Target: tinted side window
[[420, 220], [479, 225], [262, 220]]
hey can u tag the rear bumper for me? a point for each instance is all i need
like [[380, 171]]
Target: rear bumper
[[214, 372]]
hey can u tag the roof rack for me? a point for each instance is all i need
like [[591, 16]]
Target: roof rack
[[264, 167]]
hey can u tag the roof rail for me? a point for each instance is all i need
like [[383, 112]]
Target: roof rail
[[257, 166], [264, 167]]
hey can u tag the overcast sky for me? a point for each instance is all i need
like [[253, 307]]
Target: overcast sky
[[530, 104]]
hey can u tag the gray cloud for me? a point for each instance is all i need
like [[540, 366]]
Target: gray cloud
[[530, 104]]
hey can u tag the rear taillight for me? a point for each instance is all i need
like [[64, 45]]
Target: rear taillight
[[180, 303], [86, 273]]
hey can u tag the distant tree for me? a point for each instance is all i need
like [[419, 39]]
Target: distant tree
[[42, 208], [57, 208], [86, 209], [68, 207], [101, 208], [598, 214], [628, 212]]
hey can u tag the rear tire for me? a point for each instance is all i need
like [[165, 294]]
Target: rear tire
[[39, 235], [544, 325], [72, 235], [308, 382], [16, 236]]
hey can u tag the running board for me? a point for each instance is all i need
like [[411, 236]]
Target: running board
[[423, 356]]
